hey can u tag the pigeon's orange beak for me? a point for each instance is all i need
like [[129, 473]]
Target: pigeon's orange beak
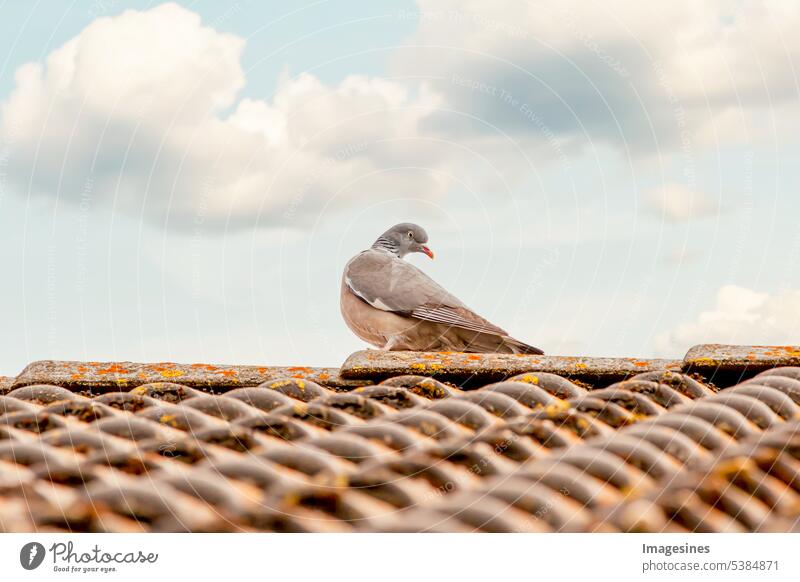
[[427, 251]]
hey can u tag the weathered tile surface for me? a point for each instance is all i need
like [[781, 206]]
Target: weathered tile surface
[[167, 447]]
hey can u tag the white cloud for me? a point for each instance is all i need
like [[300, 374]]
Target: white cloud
[[141, 110], [678, 203], [640, 76], [739, 316], [144, 110]]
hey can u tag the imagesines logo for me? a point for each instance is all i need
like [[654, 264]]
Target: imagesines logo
[[31, 555]]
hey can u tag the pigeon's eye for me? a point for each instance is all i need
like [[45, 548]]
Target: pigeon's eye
[[410, 234]]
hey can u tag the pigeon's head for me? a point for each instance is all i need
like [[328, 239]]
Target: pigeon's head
[[403, 239]]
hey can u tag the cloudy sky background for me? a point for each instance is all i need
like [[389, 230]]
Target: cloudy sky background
[[185, 181]]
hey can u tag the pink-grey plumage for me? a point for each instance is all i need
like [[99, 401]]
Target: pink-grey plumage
[[393, 305]]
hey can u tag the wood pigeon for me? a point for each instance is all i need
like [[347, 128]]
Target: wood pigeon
[[393, 305]]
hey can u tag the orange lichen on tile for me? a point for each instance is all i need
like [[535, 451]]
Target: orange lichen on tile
[[113, 369], [208, 367]]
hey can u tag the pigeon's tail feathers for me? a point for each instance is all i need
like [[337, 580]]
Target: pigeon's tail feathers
[[486, 343], [518, 347]]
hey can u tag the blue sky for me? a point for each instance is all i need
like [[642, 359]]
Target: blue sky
[[185, 181]]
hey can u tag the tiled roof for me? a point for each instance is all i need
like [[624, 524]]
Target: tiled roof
[[407, 442]]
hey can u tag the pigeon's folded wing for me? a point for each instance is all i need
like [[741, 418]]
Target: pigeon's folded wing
[[392, 284], [461, 317]]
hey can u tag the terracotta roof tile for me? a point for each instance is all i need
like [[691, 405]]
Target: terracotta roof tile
[[488, 444]]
